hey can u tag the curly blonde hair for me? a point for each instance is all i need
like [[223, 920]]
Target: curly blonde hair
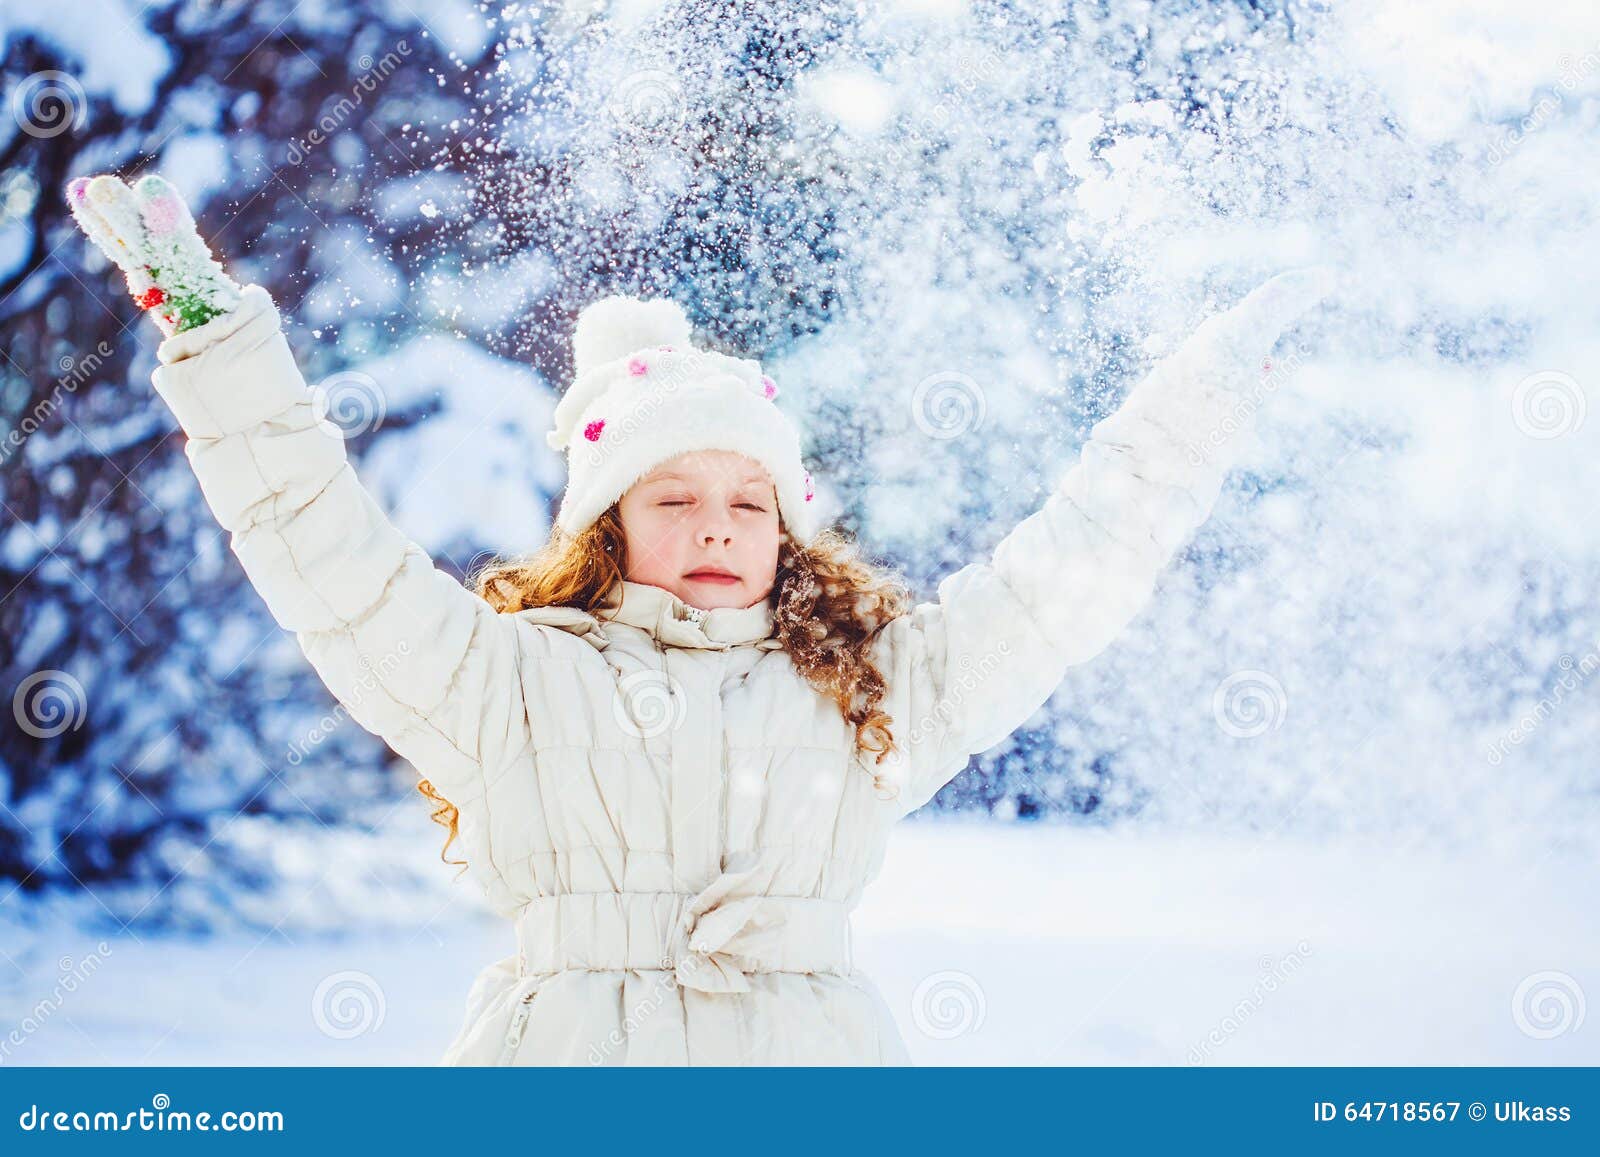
[[828, 602]]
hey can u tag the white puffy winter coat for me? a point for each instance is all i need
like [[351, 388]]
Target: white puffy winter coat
[[672, 817]]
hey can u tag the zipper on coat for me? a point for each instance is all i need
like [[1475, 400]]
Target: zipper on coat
[[723, 786], [519, 1022]]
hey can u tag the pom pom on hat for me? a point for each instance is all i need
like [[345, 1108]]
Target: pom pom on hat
[[607, 331], [616, 326]]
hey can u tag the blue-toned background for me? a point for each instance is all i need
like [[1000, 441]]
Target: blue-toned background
[[1360, 716]]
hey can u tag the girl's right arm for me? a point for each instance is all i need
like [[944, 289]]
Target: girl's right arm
[[415, 657]]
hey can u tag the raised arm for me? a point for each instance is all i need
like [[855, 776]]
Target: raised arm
[[967, 669], [415, 657]]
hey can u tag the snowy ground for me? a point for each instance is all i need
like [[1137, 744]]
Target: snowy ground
[[993, 944]]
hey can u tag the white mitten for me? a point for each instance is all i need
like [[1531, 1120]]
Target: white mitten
[[149, 233]]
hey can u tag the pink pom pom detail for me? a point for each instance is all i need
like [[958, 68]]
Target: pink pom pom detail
[[161, 214], [637, 367], [769, 388], [592, 430]]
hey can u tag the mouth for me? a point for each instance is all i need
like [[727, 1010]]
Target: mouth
[[713, 575]]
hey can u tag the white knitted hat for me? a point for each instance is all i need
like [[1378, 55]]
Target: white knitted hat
[[642, 392]]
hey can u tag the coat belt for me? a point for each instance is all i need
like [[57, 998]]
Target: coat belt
[[708, 941]]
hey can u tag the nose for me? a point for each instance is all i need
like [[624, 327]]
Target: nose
[[714, 534], [716, 526]]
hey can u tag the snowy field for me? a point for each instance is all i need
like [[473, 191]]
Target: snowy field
[[1019, 944], [1382, 645]]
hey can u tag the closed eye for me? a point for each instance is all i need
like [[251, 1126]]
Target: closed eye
[[684, 502]]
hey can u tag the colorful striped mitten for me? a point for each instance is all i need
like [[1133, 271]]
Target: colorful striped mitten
[[150, 235]]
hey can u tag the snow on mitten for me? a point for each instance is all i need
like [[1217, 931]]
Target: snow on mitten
[[1226, 347], [1224, 364], [149, 233]]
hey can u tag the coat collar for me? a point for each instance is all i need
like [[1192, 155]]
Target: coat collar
[[674, 622]]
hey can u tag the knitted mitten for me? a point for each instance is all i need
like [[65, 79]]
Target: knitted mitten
[[150, 235], [1222, 372]]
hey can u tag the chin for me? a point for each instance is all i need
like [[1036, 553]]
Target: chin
[[711, 596]]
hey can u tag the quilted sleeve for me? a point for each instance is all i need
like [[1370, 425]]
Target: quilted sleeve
[[965, 670], [415, 657]]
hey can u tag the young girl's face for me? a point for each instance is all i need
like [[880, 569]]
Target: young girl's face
[[704, 526]]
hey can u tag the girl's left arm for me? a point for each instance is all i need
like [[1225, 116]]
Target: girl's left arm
[[967, 669]]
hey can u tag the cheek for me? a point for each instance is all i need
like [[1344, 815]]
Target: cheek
[[655, 536], [761, 548]]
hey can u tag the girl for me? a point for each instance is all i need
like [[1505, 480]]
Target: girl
[[672, 743]]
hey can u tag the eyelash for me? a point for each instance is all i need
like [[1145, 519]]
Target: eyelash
[[751, 505]]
